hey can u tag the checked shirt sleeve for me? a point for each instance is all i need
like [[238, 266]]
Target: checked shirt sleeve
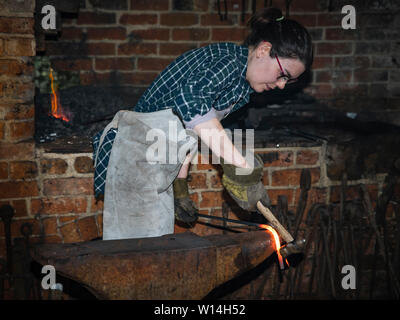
[[202, 87]]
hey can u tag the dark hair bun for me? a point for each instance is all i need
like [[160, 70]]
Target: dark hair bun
[[266, 16]]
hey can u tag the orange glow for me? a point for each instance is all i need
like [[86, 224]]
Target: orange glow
[[277, 242], [56, 108]]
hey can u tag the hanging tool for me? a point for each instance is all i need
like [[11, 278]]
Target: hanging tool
[[243, 10], [380, 245], [305, 185], [224, 16], [3, 276], [6, 214]]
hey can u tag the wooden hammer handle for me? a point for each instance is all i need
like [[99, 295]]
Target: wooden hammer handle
[[275, 223]]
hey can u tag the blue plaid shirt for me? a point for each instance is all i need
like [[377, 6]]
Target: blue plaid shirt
[[199, 80]]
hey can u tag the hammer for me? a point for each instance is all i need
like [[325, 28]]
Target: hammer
[[291, 246]]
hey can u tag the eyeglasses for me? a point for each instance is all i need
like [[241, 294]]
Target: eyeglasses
[[283, 77]]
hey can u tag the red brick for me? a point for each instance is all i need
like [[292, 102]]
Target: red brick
[[71, 33], [22, 130], [83, 165], [307, 157], [290, 177], [341, 34], [365, 75], [213, 19], [68, 186], [192, 34], [99, 219], [18, 189], [2, 127], [277, 158], [331, 48], [20, 112], [3, 170], [16, 89], [216, 181], [200, 5], [115, 63], [205, 163], [322, 62], [153, 63], [353, 192], [322, 76], [16, 25], [100, 49], [70, 233], [315, 195], [232, 6], [138, 19], [50, 226], [151, 34], [320, 90], [305, 6], [65, 219], [53, 166], [353, 62], [274, 193], [197, 181], [72, 64], [97, 205], [20, 208], [265, 178], [307, 20], [315, 175], [137, 48], [211, 199], [154, 5], [58, 205], [140, 78], [23, 170], [96, 18], [135, 78], [20, 47], [329, 19], [175, 49], [88, 228], [16, 227], [17, 151], [228, 34], [14, 67], [106, 33], [179, 19], [194, 196]]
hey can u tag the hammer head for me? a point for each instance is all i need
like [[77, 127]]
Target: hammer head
[[292, 248]]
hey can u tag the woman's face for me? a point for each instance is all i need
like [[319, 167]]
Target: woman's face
[[264, 72]]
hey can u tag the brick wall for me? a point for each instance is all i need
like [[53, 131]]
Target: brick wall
[[18, 170], [128, 42]]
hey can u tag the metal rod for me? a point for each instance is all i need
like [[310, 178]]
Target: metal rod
[[230, 220]]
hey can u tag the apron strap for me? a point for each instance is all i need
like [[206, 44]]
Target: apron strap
[[112, 125]]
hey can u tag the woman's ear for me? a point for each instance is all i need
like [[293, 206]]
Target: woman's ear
[[263, 49]]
